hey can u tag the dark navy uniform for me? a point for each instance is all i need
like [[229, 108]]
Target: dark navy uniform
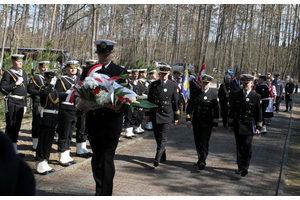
[[48, 119], [16, 102], [224, 94], [34, 86], [244, 110], [289, 92], [263, 90], [103, 127], [165, 96], [205, 109]]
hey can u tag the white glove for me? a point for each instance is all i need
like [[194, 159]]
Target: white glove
[[53, 80], [19, 81], [25, 109]]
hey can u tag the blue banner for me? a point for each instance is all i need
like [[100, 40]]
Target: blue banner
[[185, 88]]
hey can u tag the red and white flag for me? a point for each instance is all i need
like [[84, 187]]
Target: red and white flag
[[201, 72]]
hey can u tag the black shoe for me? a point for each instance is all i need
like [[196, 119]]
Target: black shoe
[[68, 163], [201, 166], [155, 163], [89, 154], [244, 172], [196, 163], [162, 160], [42, 173], [21, 155], [52, 170], [83, 155], [239, 171], [285, 111]]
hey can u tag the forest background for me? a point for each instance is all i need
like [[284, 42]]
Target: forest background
[[244, 37]]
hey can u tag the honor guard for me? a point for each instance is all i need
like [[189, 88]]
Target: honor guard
[[263, 89], [14, 86], [104, 125], [66, 115], [47, 119], [34, 86], [163, 93], [81, 135], [224, 94], [244, 112], [204, 107], [133, 119]]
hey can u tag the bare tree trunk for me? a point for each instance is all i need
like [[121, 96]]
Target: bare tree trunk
[[4, 36], [175, 36], [231, 57], [111, 22], [178, 54], [52, 22], [44, 26], [261, 37], [94, 7], [244, 38]]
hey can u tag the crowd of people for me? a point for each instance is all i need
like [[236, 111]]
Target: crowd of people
[[244, 101]]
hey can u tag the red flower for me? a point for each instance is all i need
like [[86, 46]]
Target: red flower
[[106, 90], [80, 83], [120, 97], [96, 91], [127, 100]]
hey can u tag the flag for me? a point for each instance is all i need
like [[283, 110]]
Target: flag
[[202, 71], [185, 88]]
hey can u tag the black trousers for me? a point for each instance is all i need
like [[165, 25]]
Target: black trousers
[[81, 135], [45, 142], [201, 137], [243, 150], [65, 129], [103, 144], [13, 121], [160, 132], [133, 118], [277, 103], [264, 106], [288, 102], [35, 119], [224, 113]]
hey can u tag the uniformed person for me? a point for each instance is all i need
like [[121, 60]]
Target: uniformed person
[[104, 125], [263, 89], [244, 110], [224, 94], [14, 86], [81, 135], [47, 119], [236, 82], [163, 93], [133, 118], [34, 86], [66, 115], [204, 106]]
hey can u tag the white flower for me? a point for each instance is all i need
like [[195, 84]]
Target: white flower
[[102, 97], [90, 83]]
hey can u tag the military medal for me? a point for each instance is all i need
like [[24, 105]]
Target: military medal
[[205, 98], [165, 90], [247, 99]]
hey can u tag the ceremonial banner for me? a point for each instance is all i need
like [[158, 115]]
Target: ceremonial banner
[[185, 83], [202, 71]]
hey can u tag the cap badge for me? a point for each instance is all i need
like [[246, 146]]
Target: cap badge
[[103, 45]]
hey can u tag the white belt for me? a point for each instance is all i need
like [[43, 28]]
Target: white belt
[[17, 96], [42, 111], [66, 103]]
